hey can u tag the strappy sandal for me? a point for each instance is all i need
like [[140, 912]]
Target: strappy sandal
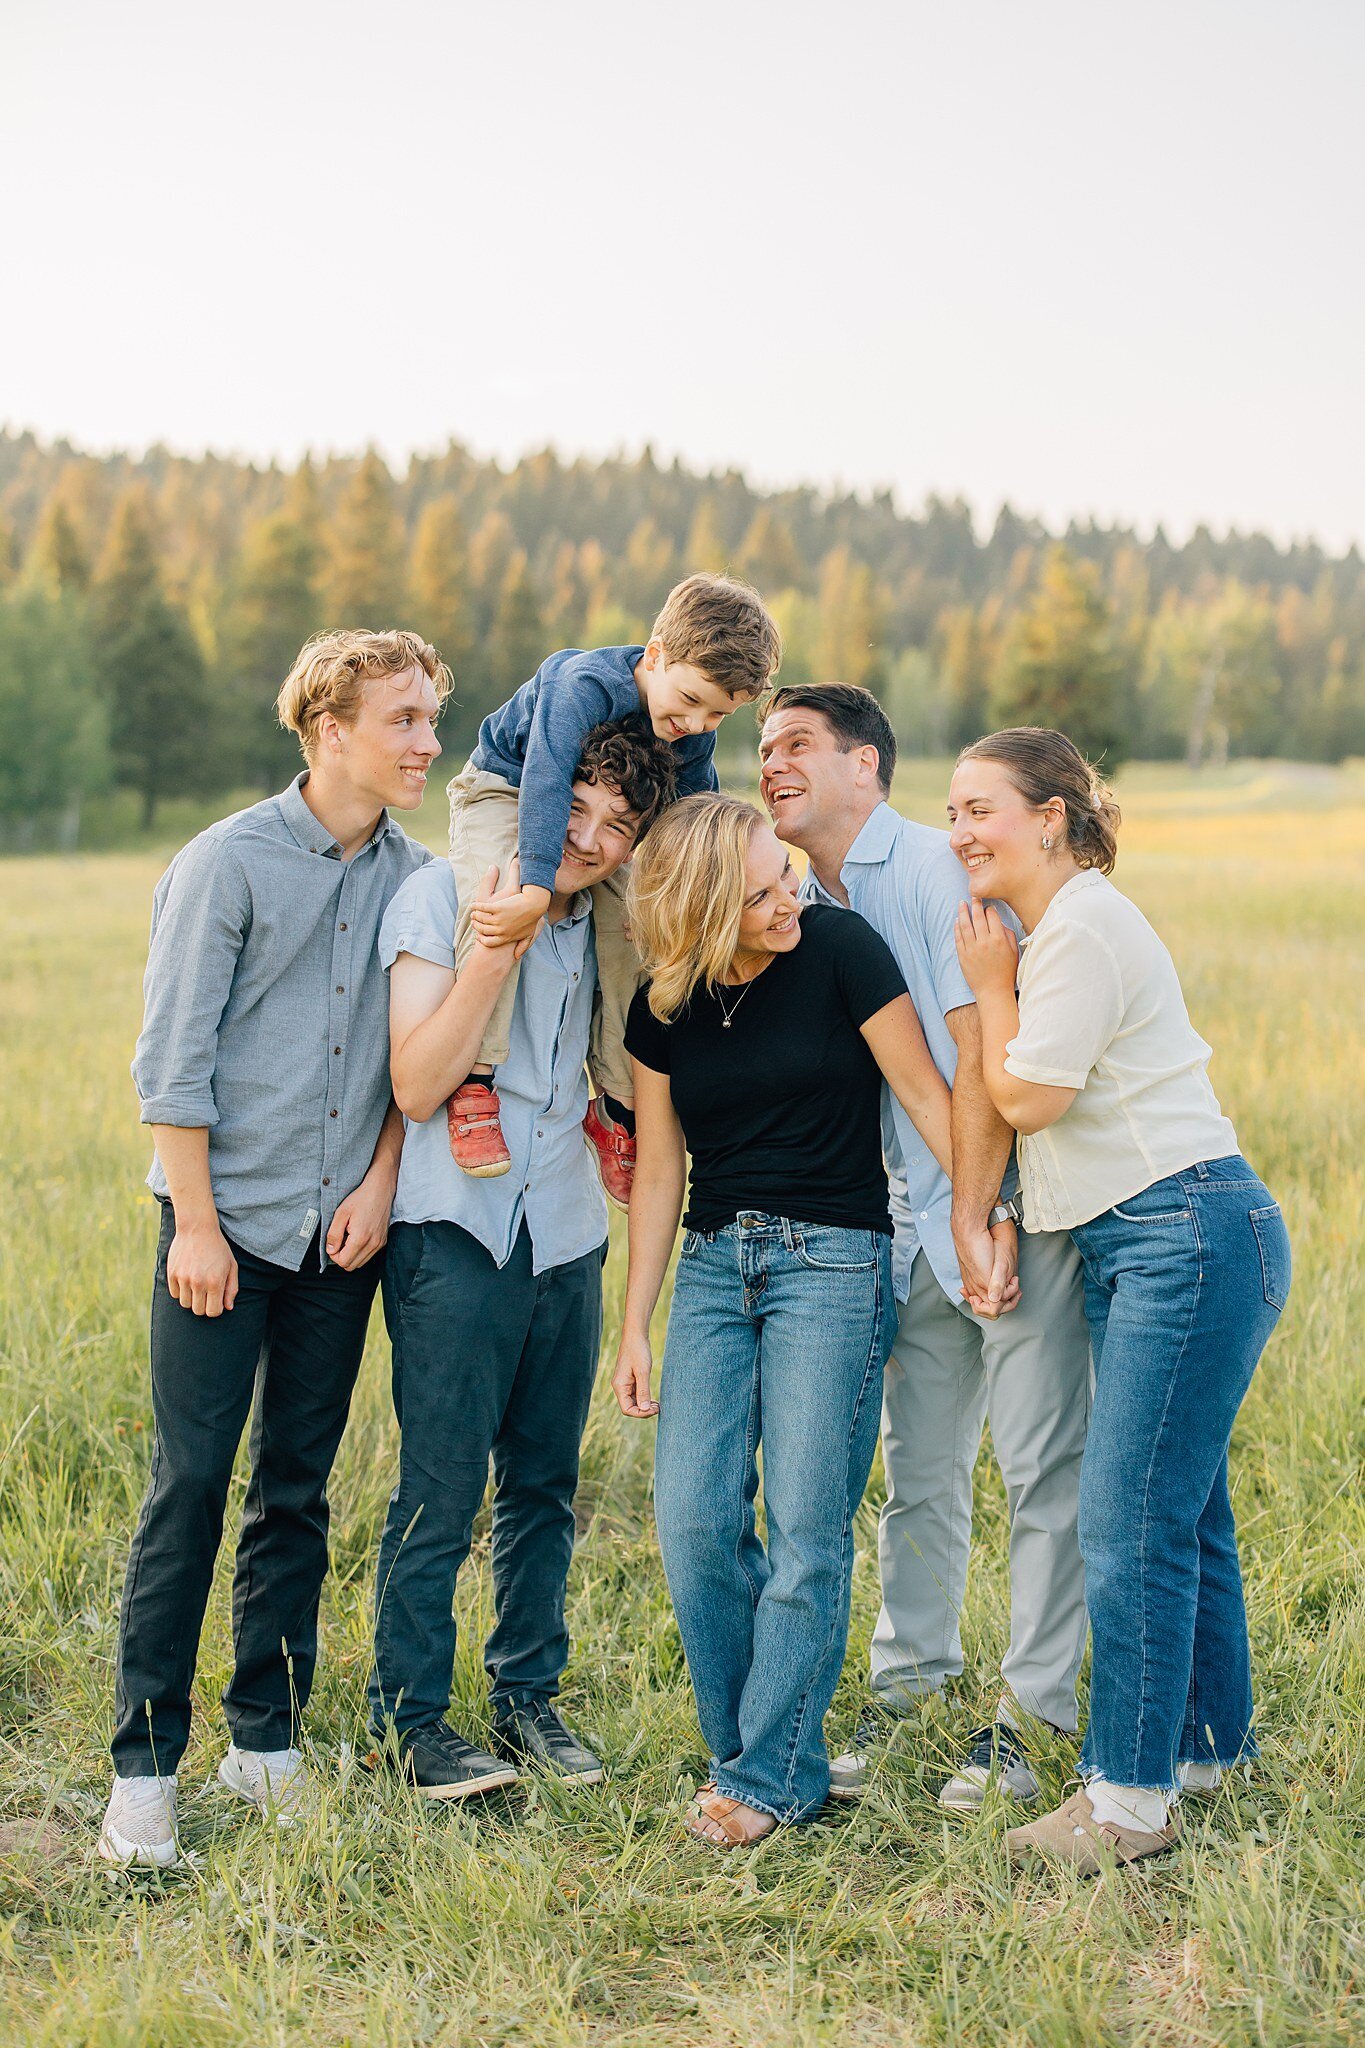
[[710, 1805]]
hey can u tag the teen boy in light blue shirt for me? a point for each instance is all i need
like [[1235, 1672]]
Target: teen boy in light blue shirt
[[493, 1293]]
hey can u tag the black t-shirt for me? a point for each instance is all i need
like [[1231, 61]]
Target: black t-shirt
[[782, 1111]]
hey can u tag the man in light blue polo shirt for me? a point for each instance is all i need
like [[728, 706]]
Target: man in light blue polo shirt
[[828, 755], [493, 1293]]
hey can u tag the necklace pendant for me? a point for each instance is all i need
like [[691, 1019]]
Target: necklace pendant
[[726, 1025]]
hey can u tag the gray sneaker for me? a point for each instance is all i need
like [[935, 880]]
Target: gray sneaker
[[139, 1824], [848, 1773], [274, 1781], [994, 1756]]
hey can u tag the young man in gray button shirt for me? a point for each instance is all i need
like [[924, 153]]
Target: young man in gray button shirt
[[493, 1290], [966, 1349], [262, 1069]]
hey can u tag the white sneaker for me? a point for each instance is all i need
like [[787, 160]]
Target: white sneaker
[[139, 1824], [275, 1781]]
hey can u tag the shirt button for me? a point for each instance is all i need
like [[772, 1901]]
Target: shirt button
[[336, 1048], [331, 1112], [326, 1180], [526, 1188], [342, 927], [340, 990]]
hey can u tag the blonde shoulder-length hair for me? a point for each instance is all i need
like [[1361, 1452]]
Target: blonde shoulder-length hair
[[687, 896]]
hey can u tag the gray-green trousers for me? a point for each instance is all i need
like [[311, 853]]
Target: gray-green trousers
[[950, 1371]]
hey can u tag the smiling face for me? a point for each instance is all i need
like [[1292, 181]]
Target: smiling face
[[602, 833], [389, 746], [996, 833], [681, 700], [770, 921], [809, 783]]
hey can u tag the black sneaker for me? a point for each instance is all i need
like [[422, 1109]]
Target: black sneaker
[[442, 1765], [994, 1755], [532, 1732], [848, 1773]]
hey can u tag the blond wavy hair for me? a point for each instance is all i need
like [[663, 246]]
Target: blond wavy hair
[[687, 896], [332, 672]]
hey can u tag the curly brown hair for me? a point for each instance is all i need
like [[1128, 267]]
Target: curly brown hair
[[626, 753]]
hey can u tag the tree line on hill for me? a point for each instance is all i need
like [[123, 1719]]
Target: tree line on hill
[[149, 608]]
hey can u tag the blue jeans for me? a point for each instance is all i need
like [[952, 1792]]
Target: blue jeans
[[778, 1333], [1183, 1286]]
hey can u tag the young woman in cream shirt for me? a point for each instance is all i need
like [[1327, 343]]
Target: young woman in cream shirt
[[1095, 1063]]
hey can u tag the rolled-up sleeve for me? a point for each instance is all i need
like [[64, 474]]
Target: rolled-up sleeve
[[1070, 1006], [200, 918]]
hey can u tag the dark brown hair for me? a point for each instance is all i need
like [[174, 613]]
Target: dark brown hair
[[644, 770], [722, 628], [853, 713], [1043, 764]]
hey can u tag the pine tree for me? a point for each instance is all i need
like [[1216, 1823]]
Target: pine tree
[[160, 708], [518, 638], [130, 569], [768, 556], [273, 611], [363, 585], [439, 576], [850, 647], [58, 562], [705, 552], [1060, 666]]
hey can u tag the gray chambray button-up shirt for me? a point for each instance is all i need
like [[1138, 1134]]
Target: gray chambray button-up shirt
[[266, 1015]]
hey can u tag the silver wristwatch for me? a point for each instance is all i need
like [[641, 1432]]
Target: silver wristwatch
[[1011, 1211]]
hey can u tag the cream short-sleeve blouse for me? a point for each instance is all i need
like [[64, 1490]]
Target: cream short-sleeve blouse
[[1101, 1011]]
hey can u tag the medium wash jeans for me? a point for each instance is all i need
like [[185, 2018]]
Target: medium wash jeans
[[778, 1334], [496, 1362], [1183, 1286]]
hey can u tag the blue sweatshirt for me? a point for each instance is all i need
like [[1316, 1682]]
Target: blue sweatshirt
[[535, 739]]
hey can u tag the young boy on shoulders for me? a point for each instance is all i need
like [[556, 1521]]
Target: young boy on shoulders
[[713, 648]]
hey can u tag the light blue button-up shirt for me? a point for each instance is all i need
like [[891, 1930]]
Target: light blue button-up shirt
[[266, 1021], [907, 882], [542, 1086]]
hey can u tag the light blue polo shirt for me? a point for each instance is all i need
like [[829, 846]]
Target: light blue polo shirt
[[542, 1085], [907, 882]]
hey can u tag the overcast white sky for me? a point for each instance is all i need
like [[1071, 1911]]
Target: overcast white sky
[[1089, 257]]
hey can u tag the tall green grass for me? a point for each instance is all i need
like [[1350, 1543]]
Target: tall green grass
[[586, 1918]]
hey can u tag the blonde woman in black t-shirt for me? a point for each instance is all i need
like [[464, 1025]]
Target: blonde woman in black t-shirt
[[759, 1048]]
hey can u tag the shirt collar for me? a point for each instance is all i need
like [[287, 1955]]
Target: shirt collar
[[873, 845], [309, 831]]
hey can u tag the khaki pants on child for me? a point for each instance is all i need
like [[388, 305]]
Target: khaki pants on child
[[483, 835]]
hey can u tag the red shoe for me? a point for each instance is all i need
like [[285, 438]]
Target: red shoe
[[476, 1141], [615, 1151]]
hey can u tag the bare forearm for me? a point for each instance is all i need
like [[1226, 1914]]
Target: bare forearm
[[655, 1207], [388, 1149], [437, 1054], [981, 1137], [184, 1156]]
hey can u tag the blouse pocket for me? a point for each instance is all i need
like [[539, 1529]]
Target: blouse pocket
[[827, 1248], [1277, 1262]]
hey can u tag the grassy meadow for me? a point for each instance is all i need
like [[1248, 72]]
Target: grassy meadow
[[554, 1917]]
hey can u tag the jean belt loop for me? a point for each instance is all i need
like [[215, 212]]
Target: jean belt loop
[[1201, 1167], [788, 1233]]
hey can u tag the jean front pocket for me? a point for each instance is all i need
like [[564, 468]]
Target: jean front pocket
[[1277, 1261], [828, 1248], [1165, 1201]]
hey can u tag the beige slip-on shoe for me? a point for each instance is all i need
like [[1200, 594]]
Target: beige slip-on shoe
[[1071, 1835]]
